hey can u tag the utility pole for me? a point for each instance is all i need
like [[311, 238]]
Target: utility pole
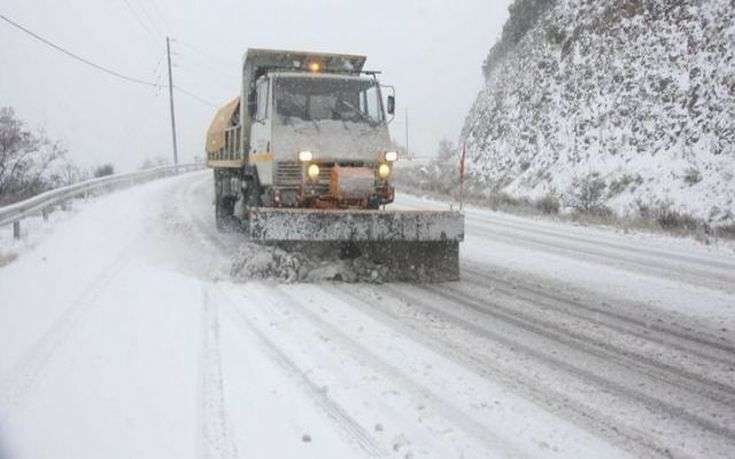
[[171, 98], [407, 150]]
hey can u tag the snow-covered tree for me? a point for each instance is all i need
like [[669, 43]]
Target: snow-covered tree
[[27, 159]]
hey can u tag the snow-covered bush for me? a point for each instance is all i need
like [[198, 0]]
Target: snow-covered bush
[[692, 176], [439, 176], [549, 204], [104, 170], [30, 163], [587, 193], [157, 161]]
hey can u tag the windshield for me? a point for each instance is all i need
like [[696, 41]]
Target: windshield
[[315, 99]]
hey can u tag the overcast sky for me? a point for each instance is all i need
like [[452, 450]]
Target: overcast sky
[[431, 50]]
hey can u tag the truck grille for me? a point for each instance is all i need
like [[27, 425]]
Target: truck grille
[[289, 174], [325, 176]]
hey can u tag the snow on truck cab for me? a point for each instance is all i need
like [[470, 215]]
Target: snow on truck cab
[[304, 156], [318, 132]]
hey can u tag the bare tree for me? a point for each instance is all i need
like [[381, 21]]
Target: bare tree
[[26, 158], [68, 173]]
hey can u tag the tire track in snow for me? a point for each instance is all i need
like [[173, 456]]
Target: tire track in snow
[[717, 392], [210, 239], [209, 236], [215, 429], [456, 416], [578, 339], [715, 281], [216, 439], [676, 351], [344, 422], [23, 377], [678, 418], [704, 345], [630, 250], [589, 418]]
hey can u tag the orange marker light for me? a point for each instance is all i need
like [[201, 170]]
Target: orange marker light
[[314, 67]]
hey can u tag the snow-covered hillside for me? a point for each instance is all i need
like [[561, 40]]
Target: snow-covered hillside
[[639, 94]]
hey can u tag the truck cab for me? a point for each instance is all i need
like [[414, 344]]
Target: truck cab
[[310, 130], [321, 140]]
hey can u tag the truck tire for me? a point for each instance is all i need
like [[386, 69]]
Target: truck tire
[[224, 213], [224, 202]]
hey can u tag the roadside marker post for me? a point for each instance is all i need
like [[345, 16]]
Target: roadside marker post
[[461, 177]]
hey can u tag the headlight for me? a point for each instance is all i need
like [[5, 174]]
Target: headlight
[[391, 156], [313, 171], [384, 171], [305, 156]]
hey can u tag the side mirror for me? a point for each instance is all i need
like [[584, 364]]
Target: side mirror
[[391, 105]]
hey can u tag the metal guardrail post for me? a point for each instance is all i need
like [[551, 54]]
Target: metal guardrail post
[[16, 229]]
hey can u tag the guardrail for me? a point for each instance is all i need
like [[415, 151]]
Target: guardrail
[[42, 203]]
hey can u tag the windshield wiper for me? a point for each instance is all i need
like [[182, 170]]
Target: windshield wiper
[[369, 120]]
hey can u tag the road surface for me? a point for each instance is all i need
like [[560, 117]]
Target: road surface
[[122, 335]]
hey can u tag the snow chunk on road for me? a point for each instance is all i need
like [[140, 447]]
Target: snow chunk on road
[[304, 263]]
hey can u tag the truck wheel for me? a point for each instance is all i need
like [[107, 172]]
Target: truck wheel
[[251, 200], [224, 203], [225, 213], [373, 203], [220, 215]]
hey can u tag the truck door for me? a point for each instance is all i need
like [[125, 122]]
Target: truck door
[[261, 155]]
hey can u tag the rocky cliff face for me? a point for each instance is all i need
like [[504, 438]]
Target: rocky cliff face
[[637, 96]]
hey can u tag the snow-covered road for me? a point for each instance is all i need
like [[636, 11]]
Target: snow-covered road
[[121, 335]]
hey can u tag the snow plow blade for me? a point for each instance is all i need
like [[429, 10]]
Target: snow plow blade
[[310, 225], [412, 246]]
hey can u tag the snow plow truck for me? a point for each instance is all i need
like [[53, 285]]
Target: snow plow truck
[[304, 156]]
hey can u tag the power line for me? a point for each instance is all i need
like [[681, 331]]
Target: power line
[[159, 13], [211, 71], [100, 67], [158, 65], [158, 73], [139, 19], [194, 57], [150, 19], [194, 96], [75, 56], [199, 51]]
